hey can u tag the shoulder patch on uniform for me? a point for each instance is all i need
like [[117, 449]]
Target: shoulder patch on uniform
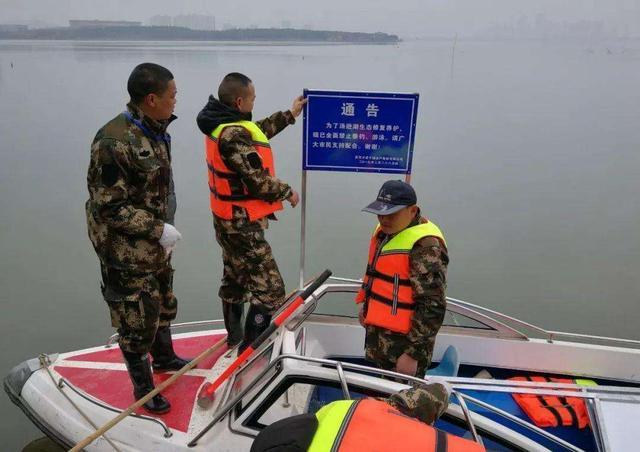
[[109, 174], [254, 160], [143, 153]]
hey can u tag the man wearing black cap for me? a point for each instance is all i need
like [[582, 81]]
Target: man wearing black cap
[[402, 300]]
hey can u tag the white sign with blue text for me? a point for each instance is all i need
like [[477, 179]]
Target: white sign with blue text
[[359, 132]]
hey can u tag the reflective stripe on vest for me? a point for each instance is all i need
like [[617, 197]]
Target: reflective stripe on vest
[[386, 285], [225, 185], [369, 424], [554, 411]]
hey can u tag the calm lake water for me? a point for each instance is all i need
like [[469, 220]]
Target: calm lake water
[[527, 155]]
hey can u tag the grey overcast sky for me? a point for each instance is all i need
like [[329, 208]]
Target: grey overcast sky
[[404, 17]]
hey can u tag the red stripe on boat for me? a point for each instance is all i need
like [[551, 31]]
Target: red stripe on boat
[[188, 347], [114, 388]]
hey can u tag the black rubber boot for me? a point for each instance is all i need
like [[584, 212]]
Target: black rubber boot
[[257, 321], [232, 313], [142, 380], [164, 358]]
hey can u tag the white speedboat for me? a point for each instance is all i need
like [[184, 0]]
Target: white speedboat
[[312, 359]]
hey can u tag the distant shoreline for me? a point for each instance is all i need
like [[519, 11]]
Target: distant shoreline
[[140, 33]]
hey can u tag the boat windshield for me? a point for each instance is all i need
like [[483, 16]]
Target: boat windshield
[[455, 319], [340, 303], [250, 372]]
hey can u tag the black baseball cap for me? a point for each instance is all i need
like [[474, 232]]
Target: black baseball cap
[[394, 195]]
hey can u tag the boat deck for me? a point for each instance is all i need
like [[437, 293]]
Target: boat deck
[[103, 375]]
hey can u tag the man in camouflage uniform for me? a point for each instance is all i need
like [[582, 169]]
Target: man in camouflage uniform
[[425, 403], [130, 216], [408, 353], [250, 271]]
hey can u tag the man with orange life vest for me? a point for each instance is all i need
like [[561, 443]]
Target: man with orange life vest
[[400, 422], [402, 300], [244, 195]]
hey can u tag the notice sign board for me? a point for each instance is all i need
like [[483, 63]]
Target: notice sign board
[[359, 132]]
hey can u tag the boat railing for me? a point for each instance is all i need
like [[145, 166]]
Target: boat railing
[[549, 335], [491, 319], [503, 330], [589, 337], [529, 426], [340, 368], [483, 311], [495, 319], [461, 397], [64, 382], [61, 383], [113, 339]]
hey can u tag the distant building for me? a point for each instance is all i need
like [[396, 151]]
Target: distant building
[[102, 23], [160, 21], [12, 28], [195, 22]]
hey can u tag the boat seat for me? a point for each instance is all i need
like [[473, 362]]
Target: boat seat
[[448, 366]]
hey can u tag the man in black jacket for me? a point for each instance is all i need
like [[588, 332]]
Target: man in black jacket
[[245, 194]]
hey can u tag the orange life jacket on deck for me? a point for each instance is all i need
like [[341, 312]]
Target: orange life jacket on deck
[[373, 425], [553, 411], [386, 287], [226, 186]]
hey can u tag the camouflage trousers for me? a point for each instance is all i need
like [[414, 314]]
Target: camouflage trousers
[[250, 271], [425, 402], [139, 303], [383, 348]]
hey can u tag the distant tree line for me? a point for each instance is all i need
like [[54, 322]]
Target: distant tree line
[[155, 33]]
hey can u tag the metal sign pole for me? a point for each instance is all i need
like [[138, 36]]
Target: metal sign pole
[[303, 225]]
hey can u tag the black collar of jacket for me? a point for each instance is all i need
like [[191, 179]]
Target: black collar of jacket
[[215, 113]]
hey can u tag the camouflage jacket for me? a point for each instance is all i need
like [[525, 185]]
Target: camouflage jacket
[[425, 403], [131, 191], [428, 261], [236, 150]]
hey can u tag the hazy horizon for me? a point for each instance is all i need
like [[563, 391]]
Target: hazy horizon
[[406, 18]]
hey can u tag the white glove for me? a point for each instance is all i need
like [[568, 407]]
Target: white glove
[[170, 236], [441, 381]]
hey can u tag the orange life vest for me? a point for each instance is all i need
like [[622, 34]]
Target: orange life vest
[[226, 186], [386, 287], [375, 426], [550, 410]]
